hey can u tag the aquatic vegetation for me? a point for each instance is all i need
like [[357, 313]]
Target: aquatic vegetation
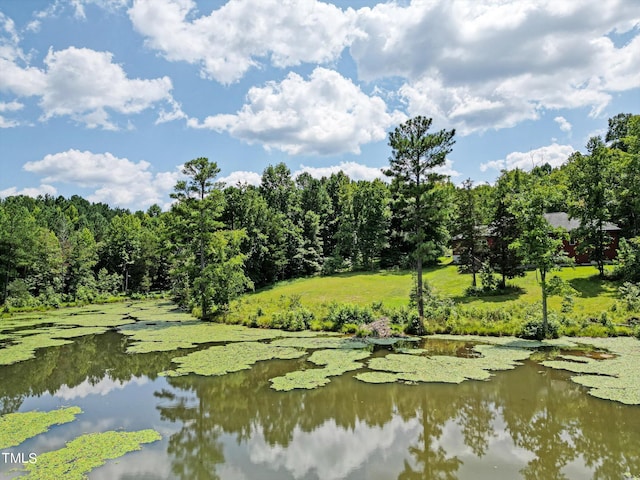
[[441, 368], [335, 361], [233, 357], [23, 348], [87, 452], [319, 341], [615, 378], [164, 337], [513, 342], [15, 428], [24, 343]]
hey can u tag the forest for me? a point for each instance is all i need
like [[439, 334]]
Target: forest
[[217, 242]]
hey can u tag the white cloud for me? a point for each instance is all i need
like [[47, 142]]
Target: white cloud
[[29, 192], [240, 176], [554, 154], [478, 65], [355, 171], [241, 33], [327, 114], [81, 83], [119, 181], [110, 5], [9, 107], [73, 88], [563, 123]]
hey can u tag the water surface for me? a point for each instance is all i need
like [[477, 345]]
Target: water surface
[[531, 422]]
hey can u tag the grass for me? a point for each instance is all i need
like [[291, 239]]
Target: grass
[[392, 289]]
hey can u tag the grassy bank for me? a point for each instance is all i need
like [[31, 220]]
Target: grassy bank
[[596, 310]]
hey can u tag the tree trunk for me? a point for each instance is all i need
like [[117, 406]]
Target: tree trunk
[[543, 282], [419, 289]]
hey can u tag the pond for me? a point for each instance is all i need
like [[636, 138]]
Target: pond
[[529, 422]]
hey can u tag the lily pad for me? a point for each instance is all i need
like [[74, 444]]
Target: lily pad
[[15, 428], [616, 378], [441, 368], [86, 453], [336, 363], [233, 357]]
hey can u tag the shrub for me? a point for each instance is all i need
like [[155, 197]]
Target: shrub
[[630, 294], [636, 331], [533, 326], [292, 320], [341, 314]]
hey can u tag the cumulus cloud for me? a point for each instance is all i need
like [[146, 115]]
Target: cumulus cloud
[[237, 36], [324, 115], [554, 154], [563, 123], [484, 64], [9, 107], [240, 177], [83, 84], [29, 191], [354, 170], [118, 181]]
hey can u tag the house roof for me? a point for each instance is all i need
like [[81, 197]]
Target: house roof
[[561, 219]]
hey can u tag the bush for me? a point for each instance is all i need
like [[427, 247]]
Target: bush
[[533, 330], [636, 331], [292, 320], [533, 325], [341, 314], [630, 294]]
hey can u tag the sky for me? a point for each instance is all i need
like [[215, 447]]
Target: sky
[[108, 98]]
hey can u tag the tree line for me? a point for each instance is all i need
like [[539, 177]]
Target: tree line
[[218, 241]]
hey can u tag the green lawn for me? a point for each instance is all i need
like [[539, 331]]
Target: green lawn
[[392, 289]]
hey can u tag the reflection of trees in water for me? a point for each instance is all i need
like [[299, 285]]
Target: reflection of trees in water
[[89, 358], [545, 414]]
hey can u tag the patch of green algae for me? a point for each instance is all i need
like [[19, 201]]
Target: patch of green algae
[[233, 357], [443, 369], [513, 342], [15, 428], [86, 453], [24, 343], [336, 363], [23, 348], [319, 342], [167, 337], [615, 378]]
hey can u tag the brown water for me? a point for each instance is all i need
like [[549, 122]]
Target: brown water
[[530, 422]]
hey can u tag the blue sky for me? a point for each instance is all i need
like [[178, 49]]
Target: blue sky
[[107, 98]]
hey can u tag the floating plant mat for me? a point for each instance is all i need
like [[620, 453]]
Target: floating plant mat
[[99, 315], [87, 452], [318, 342], [513, 342], [233, 357], [441, 368], [24, 343], [615, 378], [15, 428], [336, 362], [164, 337]]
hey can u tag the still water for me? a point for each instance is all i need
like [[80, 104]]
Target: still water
[[531, 422]]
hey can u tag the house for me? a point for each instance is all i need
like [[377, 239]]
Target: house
[[570, 245]]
